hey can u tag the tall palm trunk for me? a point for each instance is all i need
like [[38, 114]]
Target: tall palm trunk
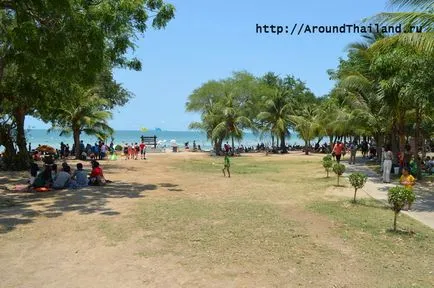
[[76, 134], [306, 147], [282, 143], [22, 160], [331, 143], [379, 139], [272, 140], [416, 143], [233, 145]]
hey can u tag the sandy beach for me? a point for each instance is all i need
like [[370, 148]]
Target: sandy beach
[[173, 220]]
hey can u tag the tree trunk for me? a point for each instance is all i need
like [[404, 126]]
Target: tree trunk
[[394, 221], [22, 161], [306, 147], [355, 193], [6, 140], [319, 141], [379, 139], [282, 143], [272, 140], [423, 147], [76, 134], [233, 145], [416, 144], [338, 180], [331, 143]]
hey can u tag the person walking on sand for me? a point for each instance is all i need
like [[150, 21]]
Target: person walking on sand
[[227, 165], [387, 165]]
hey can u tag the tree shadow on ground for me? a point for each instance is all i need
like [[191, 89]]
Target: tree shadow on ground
[[171, 187], [24, 207]]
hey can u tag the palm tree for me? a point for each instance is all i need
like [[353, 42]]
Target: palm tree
[[85, 117], [422, 15], [211, 117], [233, 121], [306, 125], [276, 114]]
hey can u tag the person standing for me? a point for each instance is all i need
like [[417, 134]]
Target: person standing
[[387, 165], [227, 165], [337, 150], [353, 151]]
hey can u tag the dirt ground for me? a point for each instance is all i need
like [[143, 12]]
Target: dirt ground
[[163, 223]]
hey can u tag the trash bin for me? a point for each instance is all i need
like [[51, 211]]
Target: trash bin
[[175, 148], [396, 170]]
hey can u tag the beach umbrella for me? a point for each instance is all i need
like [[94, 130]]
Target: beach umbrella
[[47, 149], [143, 129]]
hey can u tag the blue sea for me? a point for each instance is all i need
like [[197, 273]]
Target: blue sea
[[164, 138]]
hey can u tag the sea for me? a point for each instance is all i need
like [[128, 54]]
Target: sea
[[164, 138]]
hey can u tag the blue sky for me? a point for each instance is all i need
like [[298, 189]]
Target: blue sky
[[211, 39]]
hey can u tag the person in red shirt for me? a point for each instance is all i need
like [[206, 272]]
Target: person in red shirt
[[142, 150], [96, 175], [339, 147]]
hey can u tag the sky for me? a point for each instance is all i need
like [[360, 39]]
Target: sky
[[210, 39]]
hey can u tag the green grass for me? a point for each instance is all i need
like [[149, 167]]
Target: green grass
[[240, 165], [221, 229], [368, 224]]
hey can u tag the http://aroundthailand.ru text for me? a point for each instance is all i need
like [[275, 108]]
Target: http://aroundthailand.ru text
[[302, 28]]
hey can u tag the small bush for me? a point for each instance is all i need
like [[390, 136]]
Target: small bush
[[327, 163], [357, 180], [398, 197], [118, 147], [339, 169]]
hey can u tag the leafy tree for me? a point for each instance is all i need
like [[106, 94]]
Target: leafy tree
[[225, 107], [398, 197], [357, 180], [339, 169], [46, 46]]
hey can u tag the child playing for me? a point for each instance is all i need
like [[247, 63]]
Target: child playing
[[408, 181], [227, 165]]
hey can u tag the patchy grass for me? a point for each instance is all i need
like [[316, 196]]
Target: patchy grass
[[367, 225], [277, 222]]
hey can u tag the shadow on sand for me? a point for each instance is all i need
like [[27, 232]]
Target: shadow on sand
[[19, 208]]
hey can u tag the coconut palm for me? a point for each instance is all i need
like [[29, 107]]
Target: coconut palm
[[422, 16], [233, 121], [306, 124], [86, 117], [276, 114]]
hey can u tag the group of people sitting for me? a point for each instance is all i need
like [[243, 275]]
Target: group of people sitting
[[50, 177]]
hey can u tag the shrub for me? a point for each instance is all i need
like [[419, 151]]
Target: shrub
[[118, 147], [327, 163], [397, 198], [357, 180], [339, 169]]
